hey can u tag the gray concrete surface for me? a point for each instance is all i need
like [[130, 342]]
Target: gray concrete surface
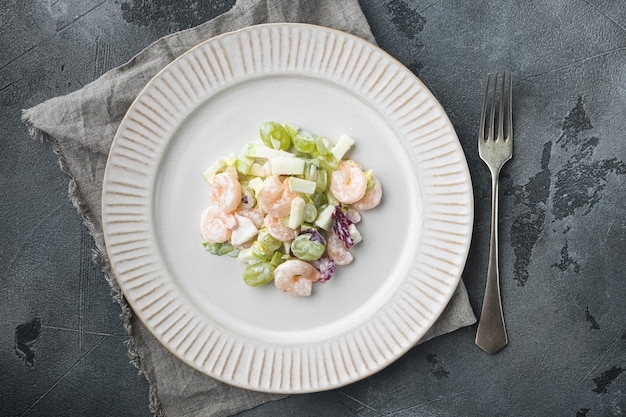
[[563, 228]]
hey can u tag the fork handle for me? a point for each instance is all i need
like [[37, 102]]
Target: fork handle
[[491, 334]]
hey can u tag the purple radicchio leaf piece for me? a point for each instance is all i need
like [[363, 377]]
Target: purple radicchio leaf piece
[[315, 236], [326, 267], [341, 225]]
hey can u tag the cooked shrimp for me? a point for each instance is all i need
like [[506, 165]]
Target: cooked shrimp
[[277, 230], [337, 251], [353, 215], [371, 198], [215, 225], [348, 184], [255, 214], [275, 197], [226, 192], [296, 277]]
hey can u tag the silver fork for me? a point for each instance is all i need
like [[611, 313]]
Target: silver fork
[[494, 151]]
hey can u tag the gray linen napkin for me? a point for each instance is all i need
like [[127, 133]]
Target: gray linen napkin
[[80, 127]]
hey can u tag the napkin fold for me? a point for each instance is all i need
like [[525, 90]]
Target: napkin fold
[[80, 128]]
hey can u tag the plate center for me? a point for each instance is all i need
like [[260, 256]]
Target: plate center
[[213, 285]]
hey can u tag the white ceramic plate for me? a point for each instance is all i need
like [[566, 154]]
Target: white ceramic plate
[[209, 103]]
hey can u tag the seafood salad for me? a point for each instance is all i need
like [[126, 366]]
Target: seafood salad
[[288, 207]]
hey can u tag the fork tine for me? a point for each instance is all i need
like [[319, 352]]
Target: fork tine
[[501, 111], [509, 135], [492, 116], [483, 113]]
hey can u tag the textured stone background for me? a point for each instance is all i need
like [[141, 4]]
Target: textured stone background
[[563, 226]]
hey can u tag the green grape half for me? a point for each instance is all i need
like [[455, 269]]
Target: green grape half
[[275, 136]]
